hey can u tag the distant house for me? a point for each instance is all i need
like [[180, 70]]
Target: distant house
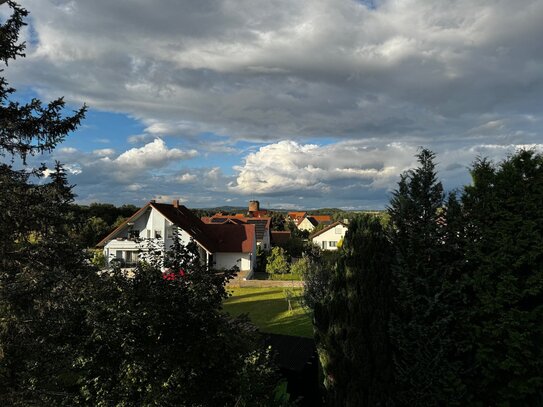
[[296, 217], [329, 237], [219, 245], [310, 222]]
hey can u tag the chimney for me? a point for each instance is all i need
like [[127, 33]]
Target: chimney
[[254, 206], [176, 203], [153, 201]]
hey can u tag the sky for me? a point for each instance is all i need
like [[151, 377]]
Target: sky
[[298, 104]]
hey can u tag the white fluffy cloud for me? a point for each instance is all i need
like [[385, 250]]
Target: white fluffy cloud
[[151, 155], [350, 171], [288, 167]]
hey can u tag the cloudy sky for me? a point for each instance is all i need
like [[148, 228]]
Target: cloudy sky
[[298, 104]]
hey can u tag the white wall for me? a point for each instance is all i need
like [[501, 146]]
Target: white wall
[[332, 235], [306, 225], [228, 260], [266, 241]]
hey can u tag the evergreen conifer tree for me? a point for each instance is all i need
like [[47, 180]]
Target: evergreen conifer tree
[[352, 322], [426, 366], [504, 212]]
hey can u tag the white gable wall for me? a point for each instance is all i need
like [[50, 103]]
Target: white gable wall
[[243, 261], [306, 225], [328, 240]]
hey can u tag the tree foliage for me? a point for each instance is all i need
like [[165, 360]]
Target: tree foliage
[[351, 324], [72, 335], [277, 262], [460, 282], [423, 317], [505, 280]]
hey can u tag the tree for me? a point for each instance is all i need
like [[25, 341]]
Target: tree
[[277, 221], [38, 259], [505, 280], [351, 323], [423, 320], [71, 335], [28, 129], [277, 262], [162, 339]]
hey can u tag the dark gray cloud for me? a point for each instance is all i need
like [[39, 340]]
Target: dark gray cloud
[[380, 78], [269, 70]]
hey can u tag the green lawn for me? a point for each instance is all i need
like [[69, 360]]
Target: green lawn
[[268, 310]]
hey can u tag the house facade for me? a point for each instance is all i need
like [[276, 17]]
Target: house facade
[[329, 237], [310, 222], [219, 246]]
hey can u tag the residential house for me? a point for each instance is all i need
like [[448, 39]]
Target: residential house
[[310, 222], [219, 245], [296, 217], [307, 223], [262, 226], [329, 237]]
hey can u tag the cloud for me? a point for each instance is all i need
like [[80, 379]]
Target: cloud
[[105, 152], [289, 167], [350, 173], [266, 71], [154, 154]]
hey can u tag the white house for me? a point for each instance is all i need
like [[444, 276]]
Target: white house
[[329, 237], [220, 245], [307, 223]]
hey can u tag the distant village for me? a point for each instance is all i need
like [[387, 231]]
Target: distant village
[[224, 241]]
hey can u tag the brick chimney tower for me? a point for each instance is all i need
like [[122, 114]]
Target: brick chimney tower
[[254, 206]]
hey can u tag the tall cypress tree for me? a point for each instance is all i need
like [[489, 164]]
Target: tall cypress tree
[[352, 322], [424, 315], [504, 210]]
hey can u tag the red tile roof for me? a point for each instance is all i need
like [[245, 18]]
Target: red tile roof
[[188, 221], [232, 238], [258, 214], [322, 218], [296, 215]]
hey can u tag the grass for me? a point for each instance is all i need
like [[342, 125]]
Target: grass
[[286, 277], [280, 277], [268, 310]]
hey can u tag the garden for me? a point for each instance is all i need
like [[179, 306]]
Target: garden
[[268, 309]]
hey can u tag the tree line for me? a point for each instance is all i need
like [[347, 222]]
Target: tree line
[[444, 304]]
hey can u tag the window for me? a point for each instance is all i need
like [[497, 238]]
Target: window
[[148, 233], [158, 234], [324, 245], [332, 244], [131, 257]]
